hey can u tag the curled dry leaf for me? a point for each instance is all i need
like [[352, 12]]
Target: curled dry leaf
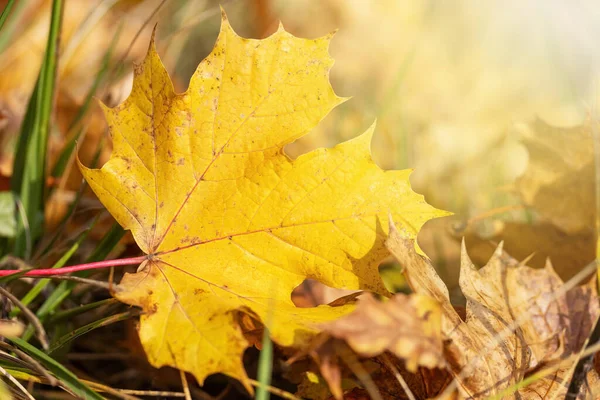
[[229, 222], [518, 320], [408, 326]]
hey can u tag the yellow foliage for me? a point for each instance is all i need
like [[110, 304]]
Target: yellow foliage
[[230, 223]]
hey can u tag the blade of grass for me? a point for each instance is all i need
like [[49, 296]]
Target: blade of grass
[[10, 361], [119, 65], [63, 290], [90, 327], [265, 364], [45, 249], [15, 15], [5, 12], [65, 376], [33, 320], [67, 152], [32, 364], [86, 26], [42, 283], [16, 383], [28, 180], [72, 312], [119, 393], [265, 360], [276, 391], [108, 243], [78, 279], [186, 387], [22, 217]]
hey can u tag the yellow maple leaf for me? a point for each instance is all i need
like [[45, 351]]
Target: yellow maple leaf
[[231, 224]]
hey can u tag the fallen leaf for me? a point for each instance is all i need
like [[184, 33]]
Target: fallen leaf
[[538, 241], [229, 222], [559, 180], [408, 326], [313, 293], [423, 384], [517, 319]]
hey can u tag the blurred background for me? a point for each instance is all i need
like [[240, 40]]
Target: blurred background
[[456, 89]]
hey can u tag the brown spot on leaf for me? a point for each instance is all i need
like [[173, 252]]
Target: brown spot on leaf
[[151, 309]]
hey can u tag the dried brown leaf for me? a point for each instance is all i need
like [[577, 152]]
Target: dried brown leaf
[[405, 325], [518, 319]]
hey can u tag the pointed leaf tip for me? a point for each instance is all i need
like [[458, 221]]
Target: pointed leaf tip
[[225, 24]]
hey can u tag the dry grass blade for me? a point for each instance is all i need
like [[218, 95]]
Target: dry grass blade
[[35, 322], [33, 364], [546, 372], [276, 391], [157, 393], [399, 377], [135, 38], [16, 383], [361, 374], [184, 383], [78, 279]]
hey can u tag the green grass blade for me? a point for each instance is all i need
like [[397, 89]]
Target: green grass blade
[[108, 243], [64, 289], [6, 32], [265, 360], [67, 152], [90, 327], [5, 12], [72, 312], [43, 250], [28, 180], [27, 126], [265, 366], [42, 283], [65, 376]]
